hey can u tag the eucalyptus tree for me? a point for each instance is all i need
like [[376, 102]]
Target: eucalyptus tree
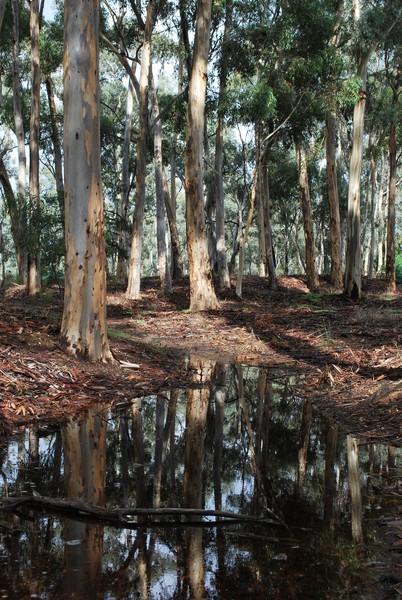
[[331, 128], [83, 328], [161, 191], [222, 266], [33, 284], [393, 55], [372, 24], [299, 80], [305, 198], [134, 270], [51, 61], [122, 210], [202, 293], [20, 135], [353, 270], [15, 28]]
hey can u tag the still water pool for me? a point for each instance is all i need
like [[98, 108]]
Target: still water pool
[[284, 504]]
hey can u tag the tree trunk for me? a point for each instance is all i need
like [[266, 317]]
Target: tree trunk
[[19, 132], [355, 488], [302, 454], [330, 476], [134, 271], [220, 393], [353, 270], [262, 251], [122, 241], [221, 258], [269, 249], [202, 293], [163, 265], [311, 269], [83, 326], [333, 201], [84, 450], [177, 257], [390, 278], [194, 456], [244, 237], [370, 261], [13, 211], [34, 276], [58, 160], [380, 239], [177, 260]]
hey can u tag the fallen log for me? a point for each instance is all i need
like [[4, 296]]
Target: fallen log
[[123, 517]]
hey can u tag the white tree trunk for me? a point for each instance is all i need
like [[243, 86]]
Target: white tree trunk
[[83, 327], [134, 271], [202, 293]]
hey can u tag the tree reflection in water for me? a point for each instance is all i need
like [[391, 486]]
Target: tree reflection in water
[[84, 448], [240, 439]]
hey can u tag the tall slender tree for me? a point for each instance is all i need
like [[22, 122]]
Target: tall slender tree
[[311, 268], [34, 272], [20, 134], [221, 259], [83, 327], [160, 185], [134, 270], [202, 293], [122, 234]]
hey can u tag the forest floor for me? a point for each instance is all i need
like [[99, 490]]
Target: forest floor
[[348, 354]]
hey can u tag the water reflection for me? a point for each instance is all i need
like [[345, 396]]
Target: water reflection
[[240, 439]]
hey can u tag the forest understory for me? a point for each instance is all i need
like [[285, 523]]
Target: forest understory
[[347, 354]]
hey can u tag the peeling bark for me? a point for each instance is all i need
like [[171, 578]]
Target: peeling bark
[[13, 211], [34, 271], [390, 277], [20, 134], [221, 257], [58, 161], [163, 264], [311, 268], [380, 228], [134, 270], [202, 293], [170, 201], [353, 269], [333, 201], [83, 328], [122, 241], [267, 224]]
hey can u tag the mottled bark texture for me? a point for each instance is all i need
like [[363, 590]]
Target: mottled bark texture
[[83, 328], [353, 268], [202, 293], [134, 269], [311, 269], [221, 258], [333, 201], [58, 160], [267, 226], [390, 276], [34, 277], [20, 135], [163, 263], [122, 234]]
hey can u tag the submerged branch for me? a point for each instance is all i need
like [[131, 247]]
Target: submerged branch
[[119, 517]]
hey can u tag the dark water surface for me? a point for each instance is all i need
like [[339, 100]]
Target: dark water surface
[[246, 443]]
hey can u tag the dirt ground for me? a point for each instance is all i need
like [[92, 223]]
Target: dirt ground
[[349, 354]]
